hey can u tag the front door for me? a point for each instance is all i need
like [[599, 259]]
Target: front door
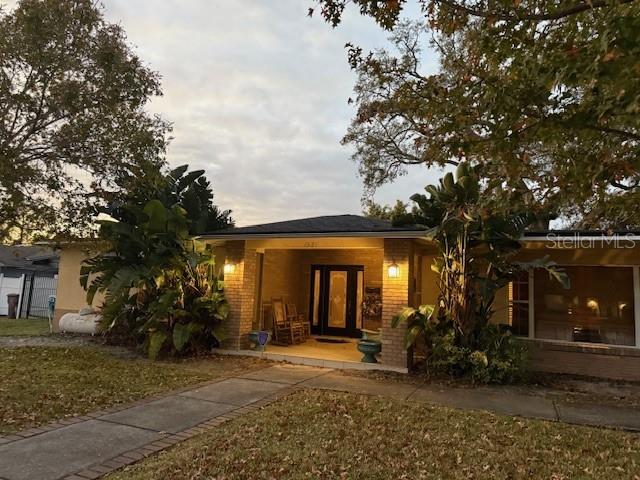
[[336, 299]]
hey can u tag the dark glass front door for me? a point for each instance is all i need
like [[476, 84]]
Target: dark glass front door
[[336, 299]]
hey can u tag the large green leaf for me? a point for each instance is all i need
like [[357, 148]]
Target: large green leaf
[[220, 332], [157, 214], [426, 310], [156, 342], [449, 183], [181, 334], [403, 316]]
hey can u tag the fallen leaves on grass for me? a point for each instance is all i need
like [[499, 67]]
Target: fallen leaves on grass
[[41, 384], [328, 435]]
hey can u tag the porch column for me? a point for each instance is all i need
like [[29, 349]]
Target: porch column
[[239, 289], [396, 294]]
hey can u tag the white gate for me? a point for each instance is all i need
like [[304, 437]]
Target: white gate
[[8, 285], [36, 295]]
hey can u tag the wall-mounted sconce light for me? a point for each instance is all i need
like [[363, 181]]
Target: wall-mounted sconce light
[[393, 270], [229, 268]]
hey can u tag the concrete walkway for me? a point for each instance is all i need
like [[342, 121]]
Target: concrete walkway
[[91, 446]]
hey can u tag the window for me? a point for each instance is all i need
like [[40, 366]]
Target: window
[[316, 298], [519, 305], [597, 308]]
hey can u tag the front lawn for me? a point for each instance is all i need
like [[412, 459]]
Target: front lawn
[[23, 326], [327, 435], [38, 385]]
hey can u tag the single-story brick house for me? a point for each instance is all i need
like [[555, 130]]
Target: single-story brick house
[[337, 269]]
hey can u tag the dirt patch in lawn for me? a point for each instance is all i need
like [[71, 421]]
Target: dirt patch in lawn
[[328, 435]]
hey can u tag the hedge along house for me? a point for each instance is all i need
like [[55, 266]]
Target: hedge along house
[[330, 266]]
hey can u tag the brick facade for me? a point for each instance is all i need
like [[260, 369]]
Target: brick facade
[[239, 287], [605, 361], [396, 294]]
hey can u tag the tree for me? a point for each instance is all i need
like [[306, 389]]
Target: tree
[[477, 250], [384, 212], [161, 290], [544, 95], [74, 131]]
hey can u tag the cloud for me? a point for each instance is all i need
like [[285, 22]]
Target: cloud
[[257, 94]]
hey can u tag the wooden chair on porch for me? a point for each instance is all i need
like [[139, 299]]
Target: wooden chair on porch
[[295, 318], [285, 332]]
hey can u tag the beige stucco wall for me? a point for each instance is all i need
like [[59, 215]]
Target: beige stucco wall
[[70, 296], [584, 256], [429, 282]]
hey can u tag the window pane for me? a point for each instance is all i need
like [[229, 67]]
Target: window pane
[[519, 318], [523, 290], [337, 299], [597, 308], [359, 297], [316, 297]]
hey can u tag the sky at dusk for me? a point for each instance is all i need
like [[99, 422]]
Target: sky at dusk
[[257, 93]]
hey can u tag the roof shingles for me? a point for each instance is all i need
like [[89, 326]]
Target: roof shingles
[[343, 224]]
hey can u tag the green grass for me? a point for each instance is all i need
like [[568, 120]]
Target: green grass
[[38, 385], [23, 326], [329, 435]]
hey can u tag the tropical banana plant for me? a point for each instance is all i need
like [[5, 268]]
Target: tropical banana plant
[[160, 289], [477, 250]]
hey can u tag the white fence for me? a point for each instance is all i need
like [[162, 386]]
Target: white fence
[[9, 285]]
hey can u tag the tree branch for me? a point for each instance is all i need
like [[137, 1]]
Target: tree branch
[[520, 14]]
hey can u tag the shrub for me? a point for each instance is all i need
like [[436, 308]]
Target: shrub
[[160, 291], [477, 248], [495, 356]]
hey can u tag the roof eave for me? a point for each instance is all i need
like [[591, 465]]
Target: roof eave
[[579, 238], [251, 236]]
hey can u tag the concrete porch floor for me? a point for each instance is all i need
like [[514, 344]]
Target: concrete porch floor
[[345, 349], [314, 353]]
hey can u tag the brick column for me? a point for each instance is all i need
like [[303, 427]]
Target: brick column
[[396, 294], [239, 289]]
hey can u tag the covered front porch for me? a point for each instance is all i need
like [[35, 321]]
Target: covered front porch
[[337, 285], [334, 288]]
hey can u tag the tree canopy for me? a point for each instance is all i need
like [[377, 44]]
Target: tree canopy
[[544, 95], [74, 131], [384, 212]]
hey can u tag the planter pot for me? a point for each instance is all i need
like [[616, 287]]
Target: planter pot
[[370, 348], [259, 339]]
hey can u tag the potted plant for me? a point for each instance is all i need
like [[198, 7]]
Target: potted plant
[[259, 339]]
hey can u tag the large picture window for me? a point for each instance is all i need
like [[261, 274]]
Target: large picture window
[[597, 308]]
